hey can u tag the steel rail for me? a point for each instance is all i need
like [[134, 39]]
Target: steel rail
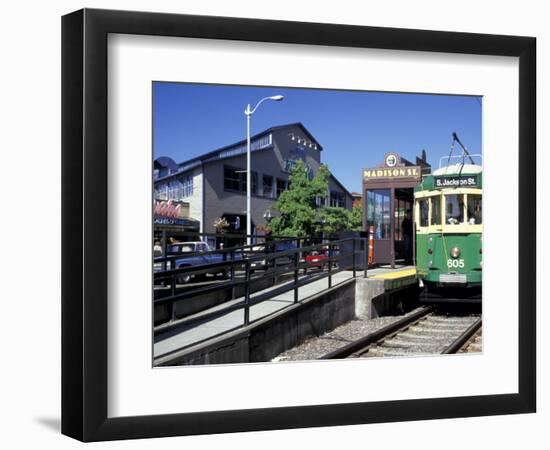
[[463, 338], [365, 341]]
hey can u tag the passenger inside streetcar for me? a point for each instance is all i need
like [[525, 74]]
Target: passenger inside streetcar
[[454, 209], [474, 209]]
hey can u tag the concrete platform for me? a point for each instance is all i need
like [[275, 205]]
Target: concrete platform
[[371, 300], [394, 278], [192, 329], [374, 294]]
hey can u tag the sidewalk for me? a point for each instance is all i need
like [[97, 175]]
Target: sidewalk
[[198, 331]]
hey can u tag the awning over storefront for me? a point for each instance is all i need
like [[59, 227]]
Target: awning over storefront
[[171, 215]]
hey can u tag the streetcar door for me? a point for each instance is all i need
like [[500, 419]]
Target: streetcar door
[[403, 225]]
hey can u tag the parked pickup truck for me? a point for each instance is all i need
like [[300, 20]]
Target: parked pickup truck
[[195, 259]]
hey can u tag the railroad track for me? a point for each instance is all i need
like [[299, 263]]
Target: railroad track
[[474, 344], [423, 332]]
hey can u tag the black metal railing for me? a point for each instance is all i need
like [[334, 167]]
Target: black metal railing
[[244, 267], [228, 239]]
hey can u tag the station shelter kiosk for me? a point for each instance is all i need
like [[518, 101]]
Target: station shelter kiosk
[[388, 199]]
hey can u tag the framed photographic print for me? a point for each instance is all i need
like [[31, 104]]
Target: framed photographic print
[[273, 224]]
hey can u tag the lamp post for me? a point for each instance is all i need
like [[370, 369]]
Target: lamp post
[[248, 113]]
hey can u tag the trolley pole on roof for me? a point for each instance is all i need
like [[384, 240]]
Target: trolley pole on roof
[[455, 138]]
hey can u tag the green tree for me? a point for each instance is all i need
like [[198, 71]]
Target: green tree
[[299, 213], [333, 220], [297, 206], [356, 222]]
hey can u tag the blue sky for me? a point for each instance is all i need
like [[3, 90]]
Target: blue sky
[[355, 128]]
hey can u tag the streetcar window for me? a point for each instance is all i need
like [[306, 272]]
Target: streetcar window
[[423, 212], [474, 209], [436, 210], [454, 209]]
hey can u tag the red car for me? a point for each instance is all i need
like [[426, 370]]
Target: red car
[[317, 259]]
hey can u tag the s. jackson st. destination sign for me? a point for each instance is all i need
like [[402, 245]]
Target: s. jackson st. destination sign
[[456, 181]]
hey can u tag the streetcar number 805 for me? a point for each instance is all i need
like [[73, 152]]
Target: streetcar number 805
[[455, 263]]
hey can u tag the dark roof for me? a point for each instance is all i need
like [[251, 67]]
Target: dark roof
[[166, 162], [198, 160], [340, 184], [213, 153], [296, 124]]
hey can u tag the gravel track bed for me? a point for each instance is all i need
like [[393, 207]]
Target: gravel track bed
[[431, 335], [475, 344], [317, 346]]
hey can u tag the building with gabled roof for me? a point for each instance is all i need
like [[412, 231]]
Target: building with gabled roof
[[214, 184]]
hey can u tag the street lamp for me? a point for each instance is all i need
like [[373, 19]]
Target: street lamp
[[248, 113]]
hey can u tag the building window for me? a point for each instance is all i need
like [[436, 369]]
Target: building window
[[161, 192], [337, 199], [254, 183], [235, 180], [232, 179], [175, 189], [281, 186], [268, 186], [187, 186], [320, 201], [377, 212]]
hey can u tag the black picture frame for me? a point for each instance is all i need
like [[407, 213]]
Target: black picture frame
[[84, 224]]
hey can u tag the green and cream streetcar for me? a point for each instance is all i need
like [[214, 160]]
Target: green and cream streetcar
[[449, 228]]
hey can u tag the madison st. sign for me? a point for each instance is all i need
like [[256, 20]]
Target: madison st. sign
[[396, 172]]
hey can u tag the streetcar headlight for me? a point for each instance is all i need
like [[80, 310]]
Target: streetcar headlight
[[455, 252]]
